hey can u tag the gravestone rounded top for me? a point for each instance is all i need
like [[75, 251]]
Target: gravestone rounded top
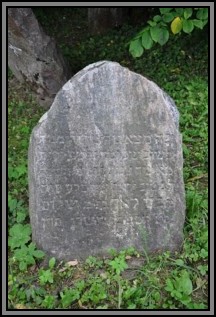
[[105, 166]]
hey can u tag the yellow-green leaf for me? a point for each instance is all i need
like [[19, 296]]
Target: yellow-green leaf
[[176, 25]]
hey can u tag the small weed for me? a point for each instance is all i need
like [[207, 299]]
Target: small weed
[[26, 255], [93, 262], [118, 264], [70, 295], [19, 235], [46, 276], [95, 292], [48, 302], [180, 287]]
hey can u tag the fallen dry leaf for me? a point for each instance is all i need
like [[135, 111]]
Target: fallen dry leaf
[[81, 305], [68, 264], [103, 275], [200, 282], [20, 306], [62, 270], [72, 263], [128, 257]]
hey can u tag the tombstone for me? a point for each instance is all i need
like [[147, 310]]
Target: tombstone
[[105, 167], [34, 57]]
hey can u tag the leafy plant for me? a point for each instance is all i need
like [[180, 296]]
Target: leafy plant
[[16, 172], [203, 269], [69, 295], [19, 235], [17, 211], [92, 261], [26, 255], [48, 302], [180, 287], [46, 276], [96, 293], [118, 264], [157, 31]]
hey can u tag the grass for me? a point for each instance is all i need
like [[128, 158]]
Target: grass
[[164, 281]]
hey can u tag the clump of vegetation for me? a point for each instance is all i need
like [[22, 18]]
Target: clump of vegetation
[[165, 281], [168, 22]]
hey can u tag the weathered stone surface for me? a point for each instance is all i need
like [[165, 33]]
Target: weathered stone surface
[[105, 167], [33, 56]]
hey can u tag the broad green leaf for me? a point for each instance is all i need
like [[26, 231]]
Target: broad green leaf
[[163, 24], [198, 23], [179, 262], [157, 296], [168, 17], [155, 33], [147, 40], [202, 14], [176, 25], [188, 13], [205, 22], [188, 286], [165, 10], [152, 23], [179, 11], [185, 284], [163, 36], [188, 26], [157, 18], [38, 254], [52, 263], [136, 48]]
